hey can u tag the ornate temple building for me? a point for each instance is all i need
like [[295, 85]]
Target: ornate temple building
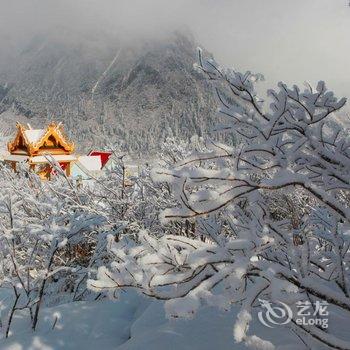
[[41, 148]]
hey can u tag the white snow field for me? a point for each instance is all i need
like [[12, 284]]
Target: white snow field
[[133, 323]]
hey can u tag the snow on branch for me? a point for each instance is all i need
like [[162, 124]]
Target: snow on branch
[[270, 217]]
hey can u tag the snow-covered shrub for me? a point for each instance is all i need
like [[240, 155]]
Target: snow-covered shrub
[[247, 245], [53, 234], [49, 232]]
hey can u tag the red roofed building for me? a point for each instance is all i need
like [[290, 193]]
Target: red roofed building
[[104, 155]]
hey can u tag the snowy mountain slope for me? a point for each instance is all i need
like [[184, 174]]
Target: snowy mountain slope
[[109, 87]]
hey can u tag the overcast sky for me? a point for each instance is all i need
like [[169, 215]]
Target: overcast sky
[[289, 40]]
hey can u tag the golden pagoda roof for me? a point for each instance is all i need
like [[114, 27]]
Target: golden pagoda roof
[[33, 142]]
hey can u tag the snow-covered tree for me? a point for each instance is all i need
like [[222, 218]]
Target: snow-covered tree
[[271, 215]]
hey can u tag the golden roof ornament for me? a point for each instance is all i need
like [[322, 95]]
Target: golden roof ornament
[[33, 142]]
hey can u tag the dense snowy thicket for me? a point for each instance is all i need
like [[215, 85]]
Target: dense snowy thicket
[[266, 220], [269, 219], [47, 234], [55, 234]]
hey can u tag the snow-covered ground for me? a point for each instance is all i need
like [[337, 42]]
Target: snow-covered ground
[[132, 323]]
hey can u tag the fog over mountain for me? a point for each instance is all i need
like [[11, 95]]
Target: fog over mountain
[[125, 68], [285, 40]]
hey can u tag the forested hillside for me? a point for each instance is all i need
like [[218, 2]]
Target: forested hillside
[[106, 88]]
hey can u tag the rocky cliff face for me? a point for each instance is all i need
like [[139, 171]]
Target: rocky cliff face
[[110, 89]]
